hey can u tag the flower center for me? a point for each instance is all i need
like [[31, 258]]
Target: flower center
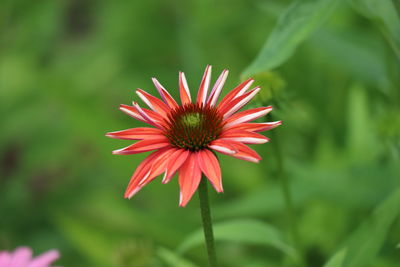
[[193, 126]]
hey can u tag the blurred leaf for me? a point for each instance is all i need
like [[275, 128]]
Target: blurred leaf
[[244, 231], [87, 240], [172, 259], [361, 142], [383, 12], [366, 242], [361, 57], [337, 259], [294, 26], [272, 85]]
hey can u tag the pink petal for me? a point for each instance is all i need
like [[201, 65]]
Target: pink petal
[[245, 137], [238, 91], [184, 89], [131, 111], [205, 83], [5, 258], [242, 151], [159, 165], [216, 91], [165, 95], [247, 115], [245, 152], [141, 172], [175, 162], [210, 167], [154, 103], [45, 259], [189, 179], [239, 102], [21, 257], [223, 147], [255, 127], [155, 119], [143, 146], [139, 133], [151, 118]]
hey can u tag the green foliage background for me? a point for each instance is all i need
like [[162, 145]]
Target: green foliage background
[[329, 67]]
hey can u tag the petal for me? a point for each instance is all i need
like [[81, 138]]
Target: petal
[[245, 152], [141, 172], [203, 89], [159, 165], [223, 147], [242, 151], [143, 146], [131, 111], [45, 259], [245, 137], [150, 116], [139, 133], [238, 91], [21, 257], [209, 165], [189, 179], [5, 258], [174, 163], [165, 95], [184, 89], [247, 115], [255, 127], [239, 102], [154, 103], [216, 91]]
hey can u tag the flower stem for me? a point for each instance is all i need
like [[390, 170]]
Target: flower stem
[[207, 223]]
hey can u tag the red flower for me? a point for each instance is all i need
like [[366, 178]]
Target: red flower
[[186, 135]]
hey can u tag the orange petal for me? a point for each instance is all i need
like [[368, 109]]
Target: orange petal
[[131, 111], [238, 103], [141, 172], [242, 151], [247, 115], [189, 179], [203, 89], [216, 91], [223, 147], [255, 127], [151, 117], [158, 166], [154, 103], [244, 137], [139, 133], [184, 89], [238, 91], [174, 163], [210, 167], [143, 146], [245, 152], [168, 99]]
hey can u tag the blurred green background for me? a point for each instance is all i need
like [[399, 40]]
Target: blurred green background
[[329, 67]]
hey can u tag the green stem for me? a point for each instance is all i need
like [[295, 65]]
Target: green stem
[[207, 223]]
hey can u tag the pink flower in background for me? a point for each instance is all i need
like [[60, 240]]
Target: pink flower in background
[[186, 135], [22, 257]]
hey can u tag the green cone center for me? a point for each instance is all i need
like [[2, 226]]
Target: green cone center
[[192, 119], [193, 127]]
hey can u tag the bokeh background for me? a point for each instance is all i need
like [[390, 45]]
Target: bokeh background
[[329, 67]]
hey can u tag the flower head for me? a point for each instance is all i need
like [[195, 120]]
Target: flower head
[[186, 135], [22, 257]]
